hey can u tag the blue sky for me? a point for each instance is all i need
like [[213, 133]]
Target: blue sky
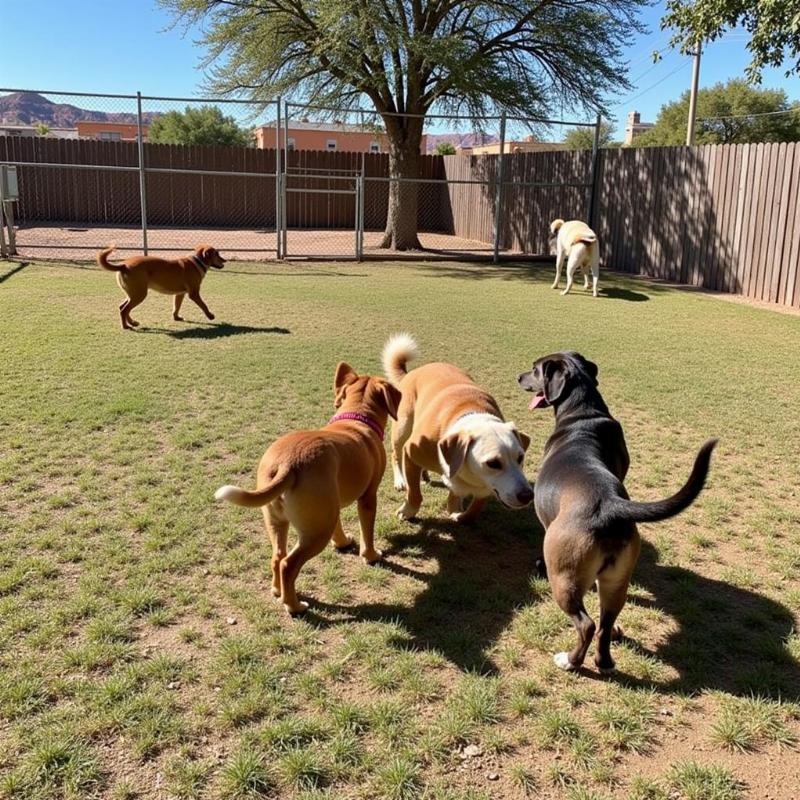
[[125, 45]]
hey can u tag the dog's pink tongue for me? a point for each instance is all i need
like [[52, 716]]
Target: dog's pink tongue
[[537, 401]]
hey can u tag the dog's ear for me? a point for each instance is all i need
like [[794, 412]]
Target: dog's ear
[[523, 438], [391, 398], [453, 451], [554, 379], [589, 367], [345, 375]]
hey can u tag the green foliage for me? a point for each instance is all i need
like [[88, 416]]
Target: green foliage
[[722, 118], [583, 138], [206, 125], [445, 149], [42, 129], [774, 32]]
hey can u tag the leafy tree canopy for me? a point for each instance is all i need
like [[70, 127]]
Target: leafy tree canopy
[[445, 149], [727, 114], [774, 27], [583, 138], [204, 125]]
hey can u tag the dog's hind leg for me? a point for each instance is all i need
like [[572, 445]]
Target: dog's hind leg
[[572, 266], [310, 542], [126, 308], [341, 541], [278, 530], [559, 266], [176, 307], [412, 475], [401, 430], [595, 262], [570, 600]]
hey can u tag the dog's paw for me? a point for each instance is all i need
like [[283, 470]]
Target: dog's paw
[[134, 323], [607, 668], [276, 592], [617, 634], [399, 485], [348, 544], [298, 610], [371, 557], [562, 662], [554, 286], [407, 511], [211, 316], [566, 291], [177, 318]]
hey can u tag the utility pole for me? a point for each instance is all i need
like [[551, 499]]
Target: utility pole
[[693, 95]]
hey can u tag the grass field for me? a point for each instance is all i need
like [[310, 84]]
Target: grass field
[[144, 657]]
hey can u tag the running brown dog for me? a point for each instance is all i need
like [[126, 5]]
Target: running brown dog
[[589, 521], [179, 277], [306, 477]]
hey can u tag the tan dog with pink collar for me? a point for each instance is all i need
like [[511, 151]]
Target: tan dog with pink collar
[[306, 477]]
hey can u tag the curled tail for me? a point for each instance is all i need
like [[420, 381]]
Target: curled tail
[[555, 225], [623, 509], [398, 351], [282, 481], [102, 260]]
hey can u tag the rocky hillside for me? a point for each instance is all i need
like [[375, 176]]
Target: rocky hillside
[[29, 108]]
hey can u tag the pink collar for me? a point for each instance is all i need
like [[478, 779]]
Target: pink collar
[[358, 418]]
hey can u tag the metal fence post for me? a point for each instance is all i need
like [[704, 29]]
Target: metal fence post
[[594, 174], [278, 223], [142, 181], [285, 179], [362, 186], [498, 193]]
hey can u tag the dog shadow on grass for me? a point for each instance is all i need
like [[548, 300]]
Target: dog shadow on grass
[[724, 637], [213, 330], [481, 579]]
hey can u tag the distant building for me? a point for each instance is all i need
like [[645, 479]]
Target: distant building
[[33, 130], [635, 127], [110, 131], [528, 145], [333, 136]]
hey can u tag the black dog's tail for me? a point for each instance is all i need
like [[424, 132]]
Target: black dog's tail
[[622, 509]]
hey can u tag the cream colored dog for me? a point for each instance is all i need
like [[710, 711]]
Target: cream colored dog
[[577, 244], [449, 425]]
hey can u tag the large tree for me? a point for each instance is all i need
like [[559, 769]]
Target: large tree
[[730, 113], [205, 125], [583, 138], [773, 25], [411, 57]]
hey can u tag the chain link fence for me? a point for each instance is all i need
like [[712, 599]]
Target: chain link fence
[[316, 185]]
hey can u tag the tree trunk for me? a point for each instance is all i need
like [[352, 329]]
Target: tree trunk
[[404, 159]]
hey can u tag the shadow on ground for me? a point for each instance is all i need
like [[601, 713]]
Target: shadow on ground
[[726, 638], [13, 271], [212, 331], [481, 578]]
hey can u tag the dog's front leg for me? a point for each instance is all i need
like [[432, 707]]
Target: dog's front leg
[[559, 267], [176, 307], [412, 475], [471, 514], [367, 509], [195, 297]]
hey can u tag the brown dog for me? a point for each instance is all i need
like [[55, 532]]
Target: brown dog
[[306, 477], [180, 276], [590, 523], [447, 424]]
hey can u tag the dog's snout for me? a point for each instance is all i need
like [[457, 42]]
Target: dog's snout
[[521, 377], [524, 496]]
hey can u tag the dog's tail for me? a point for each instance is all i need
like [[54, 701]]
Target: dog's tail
[[555, 225], [283, 480], [102, 260], [398, 351], [622, 509]]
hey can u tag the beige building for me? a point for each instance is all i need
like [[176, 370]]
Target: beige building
[[331, 137], [528, 145], [635, 127]]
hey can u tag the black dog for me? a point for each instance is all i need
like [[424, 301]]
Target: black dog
[[589, 521]]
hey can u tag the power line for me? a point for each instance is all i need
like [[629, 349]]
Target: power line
[[749, 116], [629, 99]]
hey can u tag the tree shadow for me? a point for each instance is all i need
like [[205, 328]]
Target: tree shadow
[[13, 271], [218, 330], [618, 293], [480, 580]]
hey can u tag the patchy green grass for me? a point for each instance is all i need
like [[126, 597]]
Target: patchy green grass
[[142, 656]]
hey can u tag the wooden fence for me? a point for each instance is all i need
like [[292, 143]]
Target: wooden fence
[[724, 217]]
